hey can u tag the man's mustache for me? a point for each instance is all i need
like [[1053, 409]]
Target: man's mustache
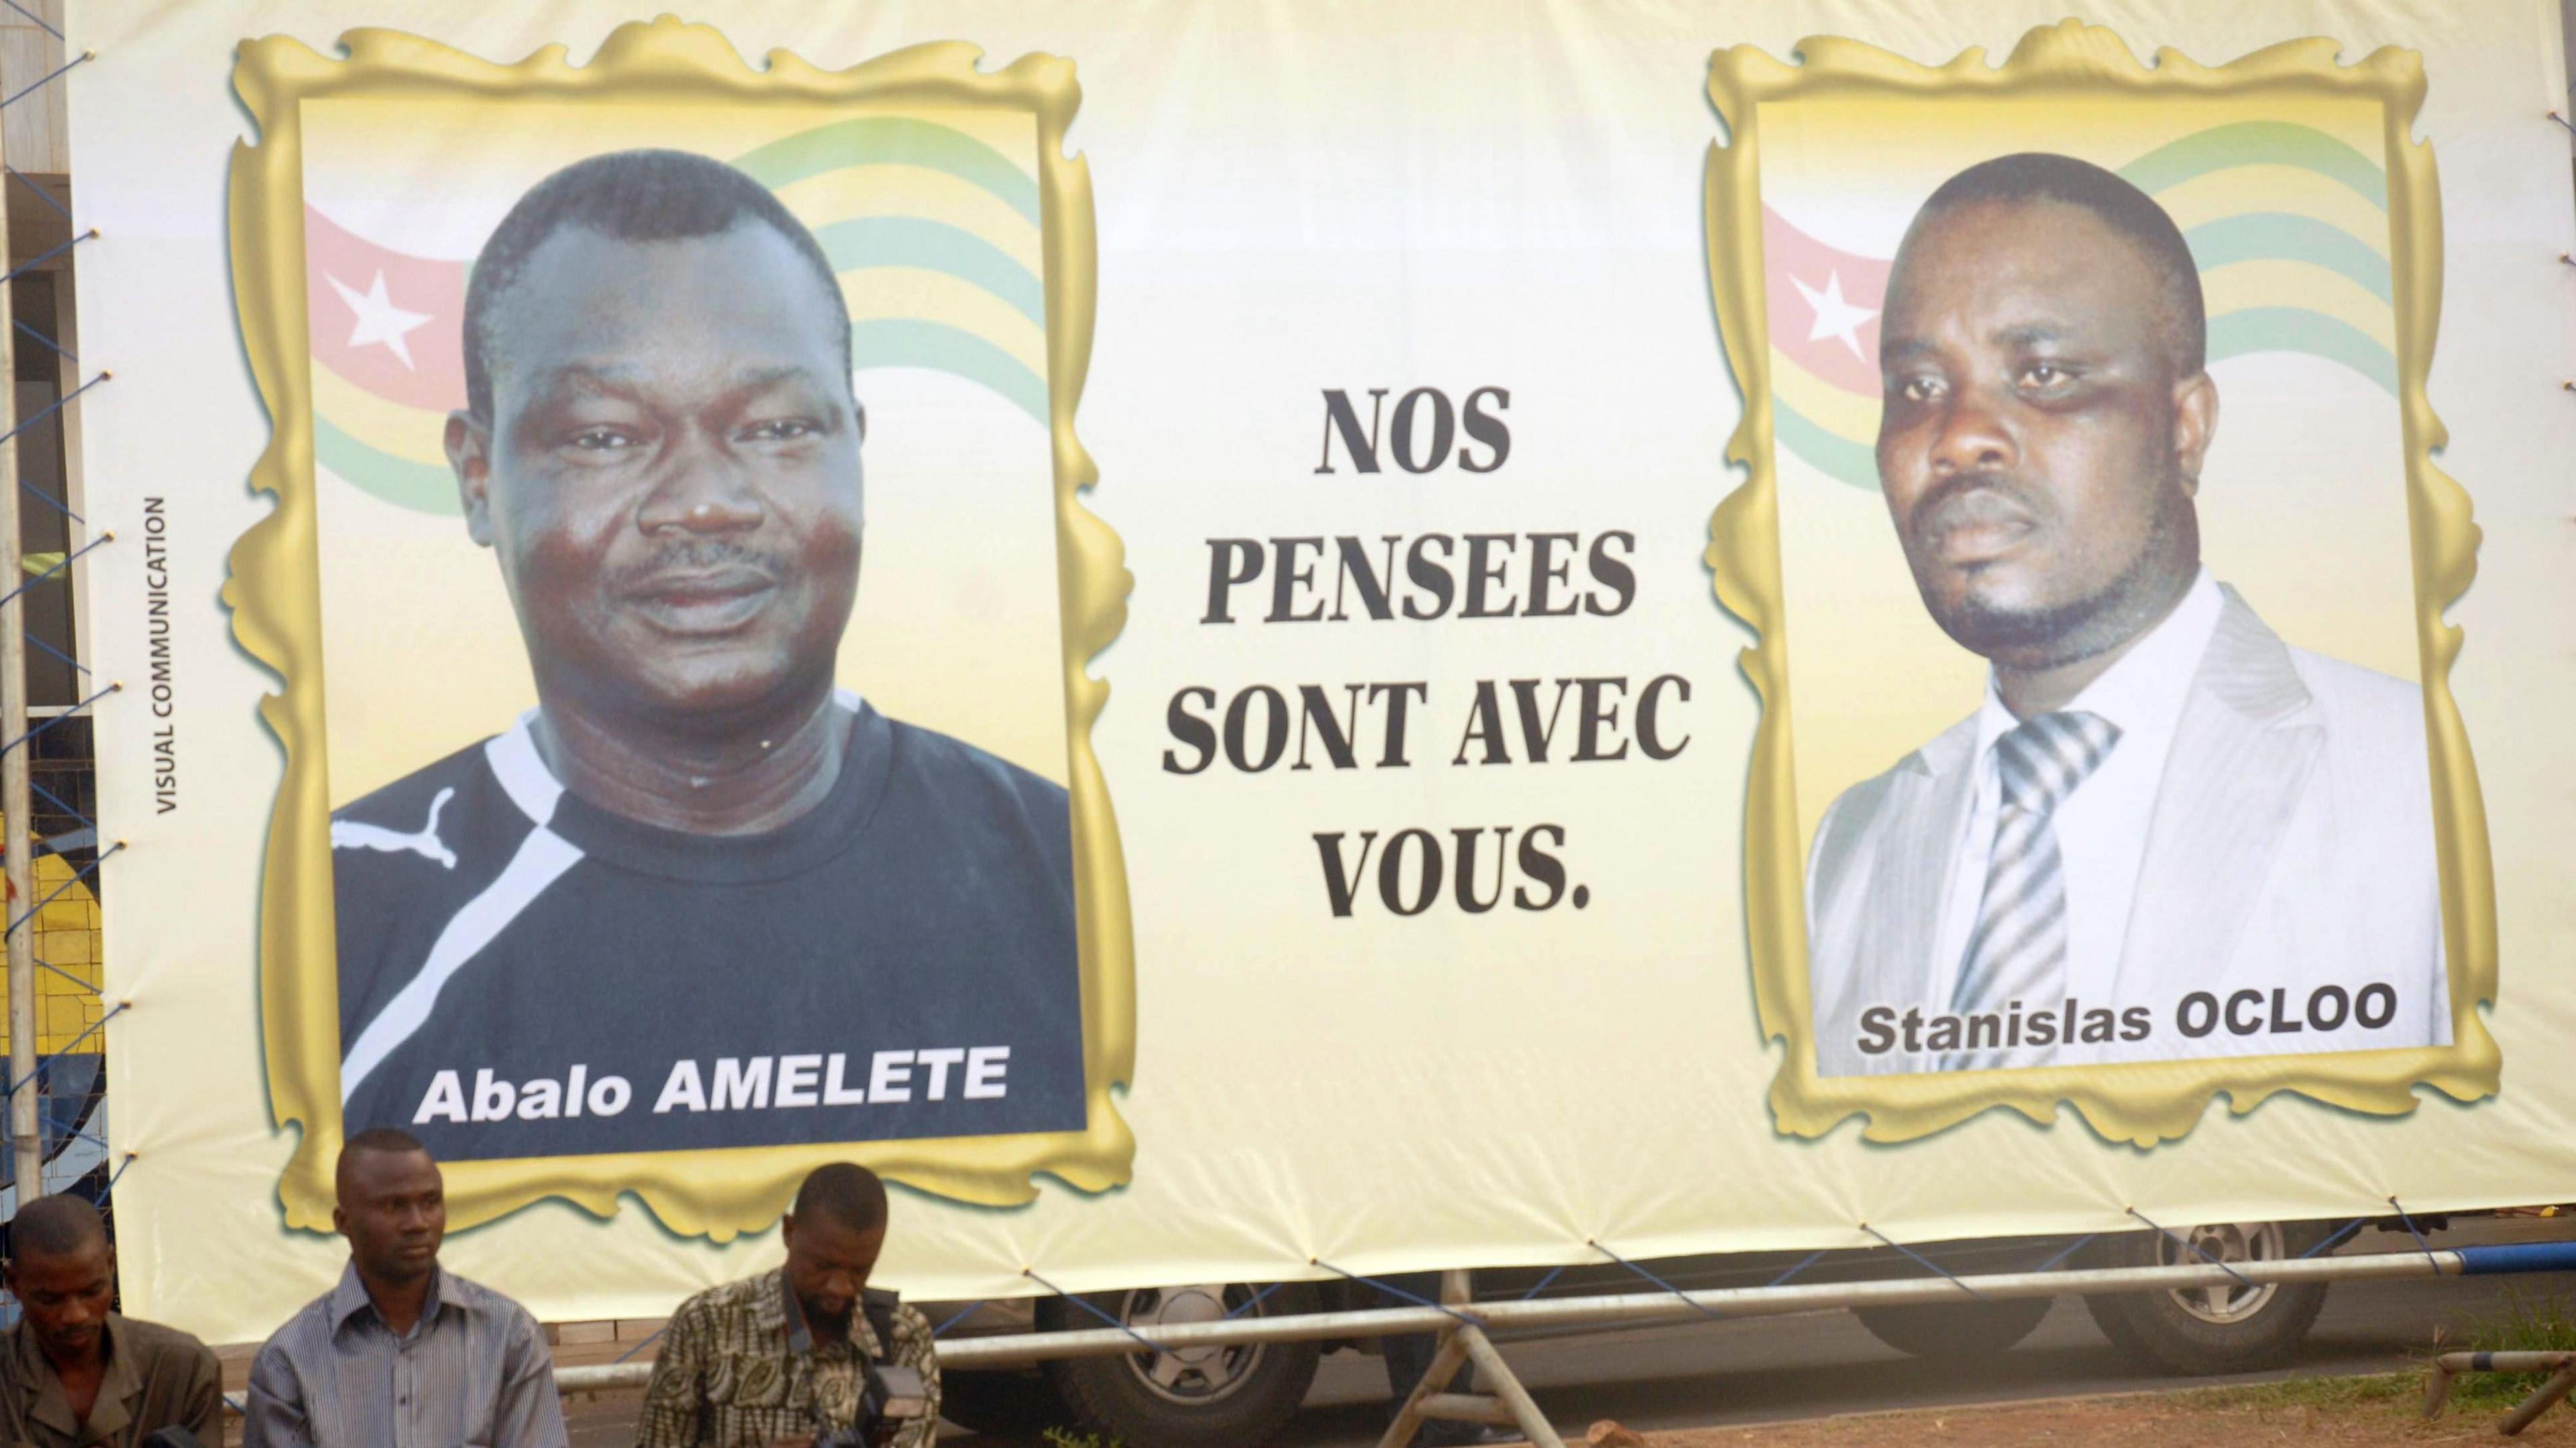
[[1919, 523], [698, 556]]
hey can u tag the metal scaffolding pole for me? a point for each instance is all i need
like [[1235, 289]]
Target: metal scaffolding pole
[[1644, 1309], [26, 1137]]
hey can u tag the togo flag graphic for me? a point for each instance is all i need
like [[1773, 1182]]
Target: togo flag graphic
[[930, 219], [2289, 226]]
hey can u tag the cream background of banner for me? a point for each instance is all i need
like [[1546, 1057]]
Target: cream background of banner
[[1289, 200]]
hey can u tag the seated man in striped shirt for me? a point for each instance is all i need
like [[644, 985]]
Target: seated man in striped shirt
[[402, 1352]]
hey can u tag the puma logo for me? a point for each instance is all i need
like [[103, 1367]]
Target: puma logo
[[351, 835]]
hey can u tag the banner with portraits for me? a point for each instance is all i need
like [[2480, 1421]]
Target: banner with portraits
[[1223, 643]]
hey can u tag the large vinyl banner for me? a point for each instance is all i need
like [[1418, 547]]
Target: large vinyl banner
[[1237, 642]]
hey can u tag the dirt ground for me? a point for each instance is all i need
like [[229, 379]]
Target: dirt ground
[[2188, 1420]]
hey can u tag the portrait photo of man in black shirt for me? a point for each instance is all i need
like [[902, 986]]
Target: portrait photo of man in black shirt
[[701, 895]]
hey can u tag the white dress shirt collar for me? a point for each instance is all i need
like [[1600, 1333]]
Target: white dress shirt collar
[[2143, 693]]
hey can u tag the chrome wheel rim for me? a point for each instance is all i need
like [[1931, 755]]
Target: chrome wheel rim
[[2230, 1243], [1194, 1376]]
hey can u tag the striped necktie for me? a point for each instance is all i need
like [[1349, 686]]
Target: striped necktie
[[2018, 951]]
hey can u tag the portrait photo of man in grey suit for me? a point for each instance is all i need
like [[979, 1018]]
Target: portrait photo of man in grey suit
[[2164, 833]]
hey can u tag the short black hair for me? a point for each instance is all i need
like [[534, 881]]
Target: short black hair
[[644, 195], [55, 1226], [848, 1193], [2045, 176], [375, 1140]]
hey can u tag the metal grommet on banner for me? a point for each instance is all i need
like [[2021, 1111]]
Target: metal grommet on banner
[[2562, 121], [2416, 1232], [34, 262], [84, 58], [73, 1045], [66, 561], [113, 1177], [57, 405], [83, 873]]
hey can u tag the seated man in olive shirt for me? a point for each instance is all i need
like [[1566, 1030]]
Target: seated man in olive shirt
[[74, 1373]]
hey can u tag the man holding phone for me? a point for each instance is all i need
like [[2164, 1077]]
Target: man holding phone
[[805, 1353]]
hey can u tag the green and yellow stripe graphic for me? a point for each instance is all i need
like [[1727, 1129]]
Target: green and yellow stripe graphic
[[2290, 228], [936, 236]]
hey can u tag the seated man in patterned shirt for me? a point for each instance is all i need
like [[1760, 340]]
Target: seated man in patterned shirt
[[783, 1357]]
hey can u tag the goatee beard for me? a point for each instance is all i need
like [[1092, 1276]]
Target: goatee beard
[[2065, 633]]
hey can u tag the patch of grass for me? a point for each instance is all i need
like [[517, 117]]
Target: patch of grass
[[2527, 1322], [2329, 1393], [1069, 1438]]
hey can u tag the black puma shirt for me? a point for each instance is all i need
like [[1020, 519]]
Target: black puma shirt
[[523, 974]]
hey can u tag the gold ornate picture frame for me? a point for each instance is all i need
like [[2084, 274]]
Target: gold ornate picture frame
[[274, 594], [2136, 1103]]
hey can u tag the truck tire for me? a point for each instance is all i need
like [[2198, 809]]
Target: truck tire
[[2234, 1328], [1213, 1397], [1954, 1331], [1003, 1403]]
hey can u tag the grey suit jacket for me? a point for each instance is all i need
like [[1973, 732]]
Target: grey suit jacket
[[2291, 850]]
